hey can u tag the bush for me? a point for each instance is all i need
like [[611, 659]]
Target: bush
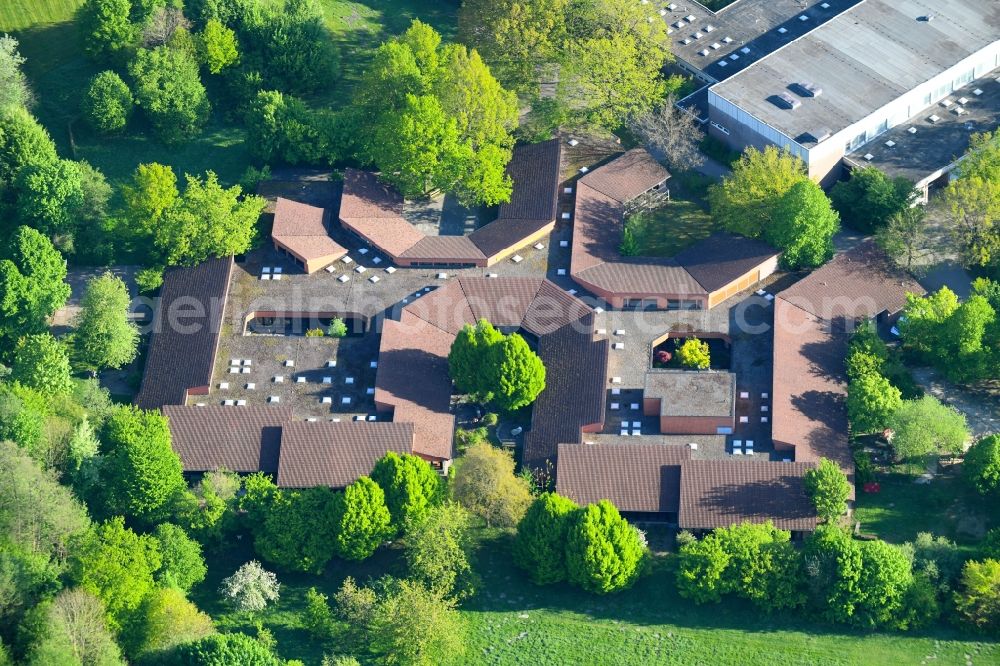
[[978, 597], [337, 328], [315, 333], [694, 354], [540, 545], [981, 468]]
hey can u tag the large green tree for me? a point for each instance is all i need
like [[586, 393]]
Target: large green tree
[[32, 286], [73, 630], [802, 226], [208, 221], [182, 564], [217, 46], [108, 103], [886, 576], [164, 620], [540, 545], [521, 374], [745, 201], [924, 426], [415, 626], [170, 93], [105, 337], [484, 483], [828, 489], [42, 363], [361, 520], [438, 551], [603, 552], [411, 486], [832, 565], [761, 565], [473, 359], [872, 401], [141, 474], [224, 649], [117, 565], [49, 197], [107, 27], [870, 198], [904, 236], [299, 531], [981, 466], [23, 141]]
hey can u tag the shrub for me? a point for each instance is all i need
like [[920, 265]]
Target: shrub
[[315, 333], [108, 103], [603, 552], [540, 545], [337, 328], [694, 354]]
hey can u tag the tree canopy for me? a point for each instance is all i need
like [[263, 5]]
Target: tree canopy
[[104, 335], [170, 93], [484, 483], [925, 426], [299, 529], [828, 489], [870, 198], [42, 363], [493, 367], [361, 520], [108, 103], [802, 226], [981, 466], [603, 552], [32, 285], [540, 546], [411, 486]]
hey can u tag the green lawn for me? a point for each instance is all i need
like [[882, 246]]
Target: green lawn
[[21, 14], [512, 622], [943, 507], [666, 230]]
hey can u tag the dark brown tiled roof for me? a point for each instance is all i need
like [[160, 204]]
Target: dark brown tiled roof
[[323, 453], [861, 282], [240, 439], [413, 380], [374, 210], [181, 356], [720, 493], [413, 376], [576, 368], [641, 276], [634, 477], [534, 169], [302, 230], [501, 234], [627, 176], [446, 249], [722, 258]]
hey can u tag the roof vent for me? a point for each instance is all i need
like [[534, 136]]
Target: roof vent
[[808, 89], [814, 136], [869, 157], [926, 18], [912, 130], [782, 30], [785, 101]]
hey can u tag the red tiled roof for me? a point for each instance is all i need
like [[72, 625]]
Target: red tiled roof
[[413, 380], [183, 357], [634, 477], [627, 176], [720, 493], [301, 229], [324, 453], [722, 258], [240, 439], [392, 235], [861, 282], [367, 197], [445, 249]]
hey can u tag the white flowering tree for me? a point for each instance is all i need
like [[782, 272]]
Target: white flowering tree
[[251, 588]]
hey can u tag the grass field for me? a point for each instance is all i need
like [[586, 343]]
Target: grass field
[[666, 230], [944, 507], [59, 72], [512, 622]]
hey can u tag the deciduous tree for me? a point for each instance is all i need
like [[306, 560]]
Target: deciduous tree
[[802, 226], [870, 199], [411, 486], [438, 551], [299, 529], [903, 237], [485, 484], [14, 89], [104, 335], [694, 354], [603, 552], [117, 565], [974, 203], [521, 374], [978, 597], [23, 141], [981, 467], [828, 489], [672, 133], [108, 103], [217, 46], [169, 91], [540, 546], [220, 649], [413, 625], [74, 631], [361, 520], [107, 28], [32, 286], [745, 201], [474, 358], [925, 426], [182, 565], [164, 620], [42, 363], [251, 588], [872, 402], [141, 472], [886, 576]]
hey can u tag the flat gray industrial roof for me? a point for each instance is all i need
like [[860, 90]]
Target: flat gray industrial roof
[[862, 60], [748, 24], [935, 145], [691, 393]]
